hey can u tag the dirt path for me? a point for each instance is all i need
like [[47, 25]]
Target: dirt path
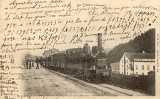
[[45, 82]]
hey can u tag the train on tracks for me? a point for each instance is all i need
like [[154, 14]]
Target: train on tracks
[[80, 62]]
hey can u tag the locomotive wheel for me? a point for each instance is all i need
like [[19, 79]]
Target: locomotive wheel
[[88, 79], [76, 75]]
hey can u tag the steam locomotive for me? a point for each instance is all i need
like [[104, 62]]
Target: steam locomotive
[[81, 63]]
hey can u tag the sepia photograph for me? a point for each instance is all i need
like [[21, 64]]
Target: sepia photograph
[[54, 49]]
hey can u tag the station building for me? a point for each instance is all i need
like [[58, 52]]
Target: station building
[[137, 63], [47, 56]]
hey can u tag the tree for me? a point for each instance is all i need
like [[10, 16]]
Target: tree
[[144, 42]]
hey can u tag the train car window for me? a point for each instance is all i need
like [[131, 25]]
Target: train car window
[[101, 62]]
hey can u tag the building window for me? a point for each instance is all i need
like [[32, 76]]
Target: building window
[[122, 61], [142, 67], [153, 67], [148, 67], [136, 67], [122, 65]]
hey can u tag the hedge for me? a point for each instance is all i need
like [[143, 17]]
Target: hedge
[[145, 83]]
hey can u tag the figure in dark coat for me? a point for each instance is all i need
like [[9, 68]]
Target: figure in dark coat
[[37, 66], [27, 64], [30, 65], [37, 61]]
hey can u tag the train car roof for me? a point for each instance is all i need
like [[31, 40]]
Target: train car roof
[[101, 55]]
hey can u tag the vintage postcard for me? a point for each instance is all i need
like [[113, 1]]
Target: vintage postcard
[[54, 49]]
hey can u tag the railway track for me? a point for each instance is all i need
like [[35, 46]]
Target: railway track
[[97, 87]]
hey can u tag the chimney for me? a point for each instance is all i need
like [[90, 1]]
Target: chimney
[[99, 42]]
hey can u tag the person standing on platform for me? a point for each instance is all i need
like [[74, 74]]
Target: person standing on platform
[[41, 64], [37, 61], [32, 63], [37, 66], [27, 64]]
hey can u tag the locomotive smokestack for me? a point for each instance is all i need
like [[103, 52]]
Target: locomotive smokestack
[[99, 42]]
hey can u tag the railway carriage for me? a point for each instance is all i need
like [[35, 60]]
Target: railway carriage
[[58, 61], [47, 61]]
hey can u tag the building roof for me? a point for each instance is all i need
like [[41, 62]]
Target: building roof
[[132, 56], [49, 52], [53, 51], [75, 49], [46, 53], [64, 51]]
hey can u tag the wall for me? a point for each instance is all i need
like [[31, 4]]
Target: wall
[[127, 65], [145, 64], [139, 64]]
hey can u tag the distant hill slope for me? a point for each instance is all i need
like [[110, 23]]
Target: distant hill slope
[[144, 42], [107, 50], [115, 67]]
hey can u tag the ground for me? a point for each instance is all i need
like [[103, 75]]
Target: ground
[[46, 82]]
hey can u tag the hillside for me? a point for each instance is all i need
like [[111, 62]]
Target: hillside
[[107, 50], [144, 42]]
